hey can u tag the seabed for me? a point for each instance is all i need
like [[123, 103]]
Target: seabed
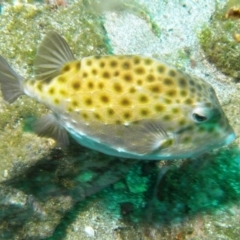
[[76, 193]]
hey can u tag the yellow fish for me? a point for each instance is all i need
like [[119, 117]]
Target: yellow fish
[[126, 106]]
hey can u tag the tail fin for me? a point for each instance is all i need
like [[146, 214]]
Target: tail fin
[[11, 82]]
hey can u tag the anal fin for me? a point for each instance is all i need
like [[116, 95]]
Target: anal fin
[[48, 126]]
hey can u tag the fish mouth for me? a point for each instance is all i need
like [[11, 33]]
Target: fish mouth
[[230, 138]]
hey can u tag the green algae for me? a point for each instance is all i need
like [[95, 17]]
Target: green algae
[[85, 177], [219, 43], [205, 185], [206, 188]]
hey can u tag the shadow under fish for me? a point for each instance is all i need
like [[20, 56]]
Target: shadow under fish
[[43, 193]]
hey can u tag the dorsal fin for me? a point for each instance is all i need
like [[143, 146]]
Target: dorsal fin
[[52, 54]]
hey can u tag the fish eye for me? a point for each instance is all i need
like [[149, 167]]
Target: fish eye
[[200, 115], [198, 118]]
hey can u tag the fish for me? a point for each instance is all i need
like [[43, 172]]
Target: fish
[[128, 106]]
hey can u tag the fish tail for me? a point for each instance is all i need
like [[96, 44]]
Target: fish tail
[[11, 82]]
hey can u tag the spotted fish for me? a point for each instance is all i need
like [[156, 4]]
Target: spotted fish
[[128, 106]]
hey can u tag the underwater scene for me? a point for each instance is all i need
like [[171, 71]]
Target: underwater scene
[[119, 119]]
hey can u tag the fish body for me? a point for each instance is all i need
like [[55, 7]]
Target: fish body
[[127, 106]]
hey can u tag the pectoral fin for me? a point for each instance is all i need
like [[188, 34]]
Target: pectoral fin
[[155, 137]]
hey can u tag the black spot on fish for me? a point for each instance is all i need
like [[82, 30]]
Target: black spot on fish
[[118, 122], [186, 139], [90, 85], [51, 90], [94, 71], [104, 99], [127, 77], [31, 82], [66, 68], [61, 79], [100, 85], [63, 92], [155, 88], [161, 68], [132, 90], [126, 65], [159, 108], [113, 63], [56, 101], [188, 101], [191, 82], [139, 82], [78, 66], [167, 101], [168, 81], [208, 104], [116, 73], [97, 116], [89, 62], [139, 70], [150, 78], [40, 86], [127, 115], [106, 74], [85, 116], [102, 64], [74, 103], [110, 112], [147, 61], [171, 92], [143, 99], [125, 102], [88, 101], [182, 82], [117, 87], [76, 85], [193, 90], [175, 110], [181, 122], [199, 87], [167, 118], [183, 93], [136, 60], [85, 74], [144, 112], [172, 73]]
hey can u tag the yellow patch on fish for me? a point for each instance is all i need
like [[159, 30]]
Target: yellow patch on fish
[[128, 106]]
